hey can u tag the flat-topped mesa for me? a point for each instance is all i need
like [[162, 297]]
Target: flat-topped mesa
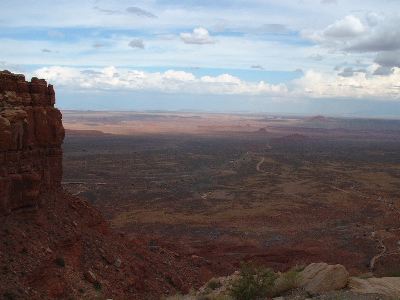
[[31, 134]]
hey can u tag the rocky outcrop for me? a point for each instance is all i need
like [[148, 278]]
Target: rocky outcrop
[[387, 286], [321, 277], [31, 134]]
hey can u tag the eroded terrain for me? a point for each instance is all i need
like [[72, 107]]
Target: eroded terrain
[[226, 188]]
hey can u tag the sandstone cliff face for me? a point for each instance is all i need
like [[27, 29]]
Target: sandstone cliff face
[[31, 134]]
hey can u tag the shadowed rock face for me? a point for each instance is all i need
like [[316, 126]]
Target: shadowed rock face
[[31, 134]]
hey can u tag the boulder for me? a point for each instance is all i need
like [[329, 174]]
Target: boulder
[[90, 276], [387, 286], [320, 277]]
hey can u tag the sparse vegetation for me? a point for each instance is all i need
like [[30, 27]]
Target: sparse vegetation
[[254, 283], [213, 284], [175, 297], [97, 285], [394, 273], [287, 281], [60, 262]]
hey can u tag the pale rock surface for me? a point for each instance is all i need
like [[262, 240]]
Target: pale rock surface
[[320, 277], [388, 286]]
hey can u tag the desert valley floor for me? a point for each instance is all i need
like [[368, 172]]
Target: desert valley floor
[[226, 188]]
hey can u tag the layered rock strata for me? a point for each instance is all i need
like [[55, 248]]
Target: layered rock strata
[[31, 134]]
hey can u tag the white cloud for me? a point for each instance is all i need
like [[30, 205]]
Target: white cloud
[[349, 83], [199, 36], [111, 78], [340, 32], [360, 85], [348, 27], [378, 35], [350, 34]]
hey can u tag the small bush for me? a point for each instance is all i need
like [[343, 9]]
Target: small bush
[[213, 284], [286, 282], [60, 262], [175, 297], [393, 273], [97, 286], [253, 283], [298, 268], [365, 275]]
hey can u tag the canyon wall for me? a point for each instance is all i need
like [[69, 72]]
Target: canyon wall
[[31, 134]]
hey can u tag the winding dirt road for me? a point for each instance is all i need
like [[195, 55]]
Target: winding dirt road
[[375, 235], [259, 164]]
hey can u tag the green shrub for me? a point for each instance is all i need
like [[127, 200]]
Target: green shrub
[[287, 281], [253, 283], [213, 284], [393, 273], [97, 286], [298, 268]]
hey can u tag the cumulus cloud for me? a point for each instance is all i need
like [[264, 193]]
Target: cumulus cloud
[[199, 36], [350, 83], [360, 85], [377, 34], [379, 40], [140, 12], [136, 43], [339, 35], [348, 27], [170, 81]]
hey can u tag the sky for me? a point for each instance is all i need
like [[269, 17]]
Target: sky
[[332, 57]]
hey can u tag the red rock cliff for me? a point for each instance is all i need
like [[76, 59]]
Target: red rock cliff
[[31, 134]]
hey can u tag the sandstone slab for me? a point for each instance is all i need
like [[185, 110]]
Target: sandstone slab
[[387, 286], [320, 278]]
